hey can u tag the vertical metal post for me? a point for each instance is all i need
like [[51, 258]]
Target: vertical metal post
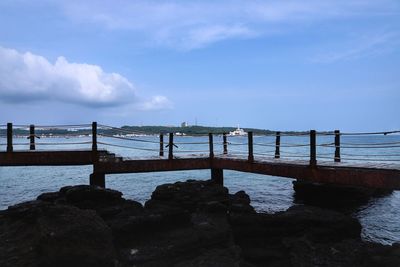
[[217, 176], [250, 143], [225, 143], [313, 148], [171, 146], [97, 179], [32, 137], [161, 145], [9, 137], [337, 146], [211, 143], [94, 136], [278, 145]]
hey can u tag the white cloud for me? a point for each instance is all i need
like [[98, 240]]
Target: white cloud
[[155, 103], [28, 77], [201, 37], [363, 47], [194, 24]]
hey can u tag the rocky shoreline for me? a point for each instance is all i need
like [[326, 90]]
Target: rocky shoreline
[[193, 223]]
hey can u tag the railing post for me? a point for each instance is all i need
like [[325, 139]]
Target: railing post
[[225, 143], [337, 146], [32, 137], [211, 143], [161, 145], [313, 148], [170, 146], [278, 145], [9, 137], [94, 136], [98, 179], [250, 143], [217, 176]]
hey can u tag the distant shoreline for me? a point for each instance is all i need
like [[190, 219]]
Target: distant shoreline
[[135, 131]]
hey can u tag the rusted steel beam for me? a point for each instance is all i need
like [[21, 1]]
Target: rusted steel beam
[[366, 177], [153, 165], [46, 158], [352, 176]]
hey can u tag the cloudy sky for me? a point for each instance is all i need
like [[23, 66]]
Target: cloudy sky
[[282, 65]]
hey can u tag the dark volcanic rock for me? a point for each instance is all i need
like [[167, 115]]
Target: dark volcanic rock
[[39, 233], [189, 196], [240, 203], [193, 223], [194, 196], [272, 237], [337, 197], [190, 221], [106, 202]]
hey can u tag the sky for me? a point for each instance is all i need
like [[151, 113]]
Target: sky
[[279, 65]]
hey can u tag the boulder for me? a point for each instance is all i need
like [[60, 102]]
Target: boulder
[[106, 202], [193, 223], [192, 196], [40, 233], [189, 196], [338, 197], [272, 238]]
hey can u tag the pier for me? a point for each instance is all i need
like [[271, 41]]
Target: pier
[[378, 166]]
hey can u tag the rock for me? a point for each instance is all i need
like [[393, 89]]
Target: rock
[[272, 238], [229, 257], [337, 197], [193, 223], [40, 233], [106, 202], [194, 195], [189, 196], [83, 193], [172, 246], [240, 203], [50, 197]]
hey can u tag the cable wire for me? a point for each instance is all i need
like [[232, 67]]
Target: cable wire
[[130, 147]]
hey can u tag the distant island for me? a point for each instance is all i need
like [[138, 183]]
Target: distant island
[[139, 130]]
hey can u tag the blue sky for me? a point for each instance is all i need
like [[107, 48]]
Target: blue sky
[[281, 65]]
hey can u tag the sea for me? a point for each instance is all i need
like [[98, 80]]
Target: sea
[[379, 216]]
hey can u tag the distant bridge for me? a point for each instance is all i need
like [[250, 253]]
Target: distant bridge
[[376, 166]]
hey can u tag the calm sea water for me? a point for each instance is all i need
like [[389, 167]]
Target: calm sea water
[[379, 217]]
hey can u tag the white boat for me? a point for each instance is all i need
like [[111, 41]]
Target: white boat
[[238, 132]]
